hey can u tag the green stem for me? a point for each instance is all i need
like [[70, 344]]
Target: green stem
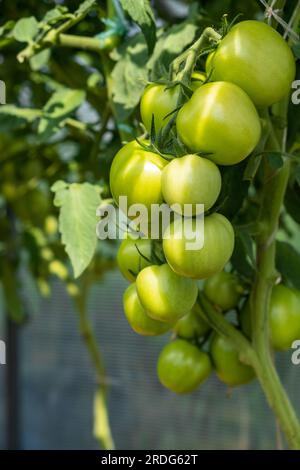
[[101, 426]]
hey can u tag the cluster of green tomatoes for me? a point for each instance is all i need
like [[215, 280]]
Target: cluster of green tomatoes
[[251, 68]]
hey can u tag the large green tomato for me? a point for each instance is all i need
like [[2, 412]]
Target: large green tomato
[[191, 180], [133, 256], [136, 173], [159, 101], [206, 261], [137, 317], [182, 367], [226, 361], [284, 317], [224, 290], [192, 325], [165, 295], [255, 57], [221, 121]]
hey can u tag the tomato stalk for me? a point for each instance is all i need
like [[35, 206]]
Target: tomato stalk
[[102, 430]]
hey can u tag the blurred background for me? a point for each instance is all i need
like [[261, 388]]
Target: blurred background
[[47, 386]]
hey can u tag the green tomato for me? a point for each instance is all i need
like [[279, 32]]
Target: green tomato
[[225, 358], [192, 325], [165, 295], [182, 367], [284, 317], [137, 317], [132, 257], [191, 180], [223, 289], [206, 261], [136, 173], [159, 101], [256, 58], [221, 121]]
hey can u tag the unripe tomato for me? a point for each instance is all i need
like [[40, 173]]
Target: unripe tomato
[[182, 367], [191, 180], [225, 358], [206, 261], [192, 325], [223, 289], [197, 80], [221, 121], [284, 317], [137, 317], [159, 101], [255, 57], [136, 173], [164, 295], [130, 259]]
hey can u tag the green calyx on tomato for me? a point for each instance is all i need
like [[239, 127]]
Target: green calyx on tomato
[[192, 325], [224, 290], [284, 317], [164, 295], [133, 256], [136, 173], [226, 361], [159, 101], [191, 180], [137, 317], [182, 367], [199, 263], [256, 58], [220, 121]]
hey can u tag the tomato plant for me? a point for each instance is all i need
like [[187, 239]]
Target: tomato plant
[[79, 78], [182, 367]]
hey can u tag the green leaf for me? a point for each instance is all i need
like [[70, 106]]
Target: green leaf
[[129, 75], [84, 7], [234, 190], [12, 117], [296, 49], [168, 46], [25, 29], [39, 60], [240, 259], [61, 104], [275, 160], [288, 263], [141, 13], [8, 26], [292, 202], [77, 222]]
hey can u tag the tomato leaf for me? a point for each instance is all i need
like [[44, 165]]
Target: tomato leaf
[[288, 263], [25, 29], [141, 13], [77, 221]]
